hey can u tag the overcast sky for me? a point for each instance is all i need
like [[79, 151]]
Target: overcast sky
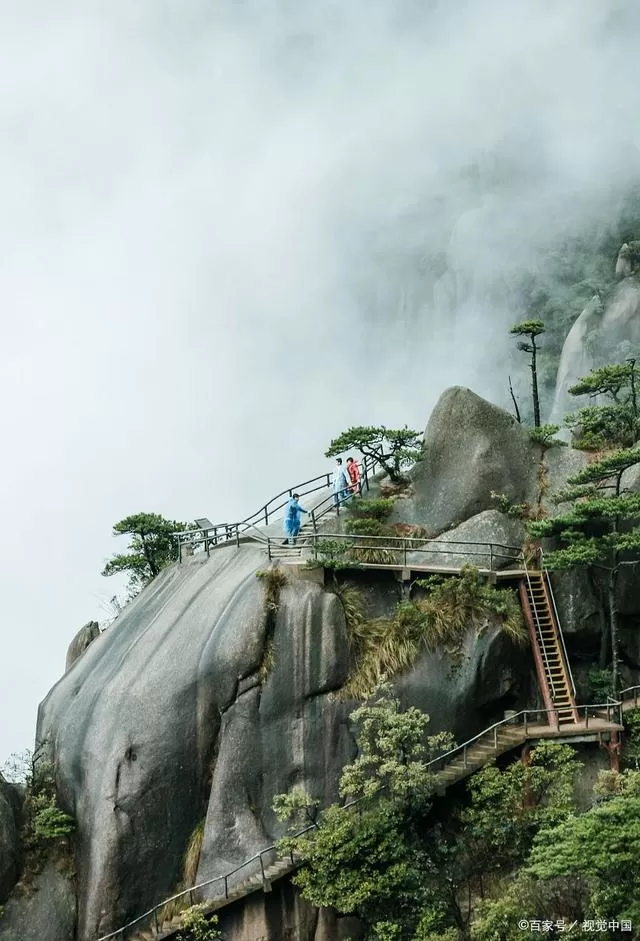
[[228, 230]]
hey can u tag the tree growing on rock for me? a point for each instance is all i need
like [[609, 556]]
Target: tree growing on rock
[[600, 530], [393, 448], [151, 549], [531, 329]]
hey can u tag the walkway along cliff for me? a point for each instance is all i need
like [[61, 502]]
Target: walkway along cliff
[[198, 704]]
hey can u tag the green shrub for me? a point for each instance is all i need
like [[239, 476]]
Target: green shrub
[[375, 509], [544, 435], [197, 927], [376, 551]]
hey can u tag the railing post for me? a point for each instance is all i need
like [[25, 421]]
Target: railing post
[[264, 878], [366, 474], [190, 897], [495, 738], [526, 723], [266, 515], [586, 717], [464, 756], [226, 887], [313, 520], [155, 920], [237, 536], [491, 557], [269, 548]]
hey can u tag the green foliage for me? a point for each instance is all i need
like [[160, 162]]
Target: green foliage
[[612, 423], [368, 860], [48, 821], [45, 826], [370, 508], [196, 926], [333, 554], [631, 745], [375, 551], [528, 328], [152, 548], [393, 448], [393, 752], [544, 435], [518, 511], [603, 846], [439, 620], [601, 684], [531, 329]]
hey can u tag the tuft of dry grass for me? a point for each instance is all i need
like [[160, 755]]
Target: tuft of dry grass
[[190, 864], [440, 620]]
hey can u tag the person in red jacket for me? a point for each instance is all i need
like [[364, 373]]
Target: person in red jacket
[[353, 470]]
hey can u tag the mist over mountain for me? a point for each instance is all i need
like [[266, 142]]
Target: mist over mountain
[[230, 230]]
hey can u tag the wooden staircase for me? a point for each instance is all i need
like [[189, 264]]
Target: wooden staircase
[[552, 668]]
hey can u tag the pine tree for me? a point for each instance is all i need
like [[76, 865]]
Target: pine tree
[[531, 329], [600, 530]]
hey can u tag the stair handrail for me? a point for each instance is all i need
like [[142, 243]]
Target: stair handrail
[[233, 530], [513, 554], [636, 695], [545, 572], [541, 643]]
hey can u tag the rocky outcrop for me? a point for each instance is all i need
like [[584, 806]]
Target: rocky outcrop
[[9, 830], [600, 335], [471, 448], [467, 543], [85, 636], [44, 912], [576, 359]]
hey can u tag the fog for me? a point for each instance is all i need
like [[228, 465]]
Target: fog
[[230, 230]]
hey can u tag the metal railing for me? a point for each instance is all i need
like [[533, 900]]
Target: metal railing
[[523, 720], [224, 533], [353, 547], [152, 914]]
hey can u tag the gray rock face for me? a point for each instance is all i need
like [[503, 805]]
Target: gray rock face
[[8, 839], [282, 915], [150, 720], [46, 913], [576, 360], [471, 448], [467, 543], [85, 636]]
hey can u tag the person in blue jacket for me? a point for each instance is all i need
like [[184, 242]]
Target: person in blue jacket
[[291, 523]]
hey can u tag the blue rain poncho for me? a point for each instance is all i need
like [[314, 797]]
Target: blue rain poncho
[[291, 523]]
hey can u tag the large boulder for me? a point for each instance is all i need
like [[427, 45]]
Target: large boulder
[[471, 448], [186, 703], [9, 833], [44, 912], [85, 636], [487, 540]]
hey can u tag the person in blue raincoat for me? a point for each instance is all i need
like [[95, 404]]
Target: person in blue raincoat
[[291, 523]]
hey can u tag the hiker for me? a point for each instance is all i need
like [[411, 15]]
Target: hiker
[[341, 484], [291, 523], [353, 469]]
